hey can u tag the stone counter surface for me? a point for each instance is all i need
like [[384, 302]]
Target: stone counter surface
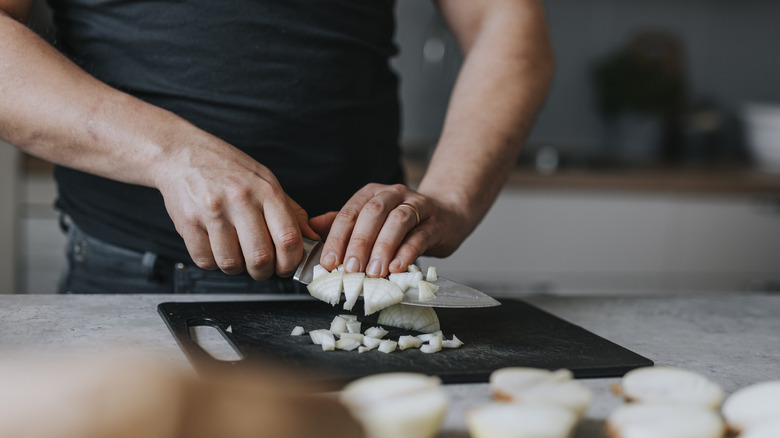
[[733, 339]]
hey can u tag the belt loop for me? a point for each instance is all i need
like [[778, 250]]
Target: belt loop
[[148, 262]]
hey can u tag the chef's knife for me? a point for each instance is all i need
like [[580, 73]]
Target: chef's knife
[[449, 294]]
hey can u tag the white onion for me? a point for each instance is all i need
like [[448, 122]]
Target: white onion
[[418, 318], [670, 385], [397, 405], [431, 274], [752, 405], [379, 293], [433, 345], [387, 346], [375, 332], [408, 341], [297, 331], [507, 420], [327, 287], [353, 287], [664, 420], [338, 325], [532, 386]]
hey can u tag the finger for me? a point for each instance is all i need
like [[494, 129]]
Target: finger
[[225, 246], [322, 223], [399, 222], [341, 228], [372, 217], [256, 245], [285, 232], [197, 242], [414, 245]]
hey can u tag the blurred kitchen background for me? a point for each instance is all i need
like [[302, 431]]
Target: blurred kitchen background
[[653, 167]]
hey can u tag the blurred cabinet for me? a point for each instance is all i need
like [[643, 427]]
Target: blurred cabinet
[[602, 242]]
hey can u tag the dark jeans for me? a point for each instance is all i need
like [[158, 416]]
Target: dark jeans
[[94, 266]]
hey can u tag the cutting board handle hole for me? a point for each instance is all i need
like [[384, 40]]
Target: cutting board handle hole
[[213, 340]]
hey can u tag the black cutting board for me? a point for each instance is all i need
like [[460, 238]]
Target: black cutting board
[[513, 334]]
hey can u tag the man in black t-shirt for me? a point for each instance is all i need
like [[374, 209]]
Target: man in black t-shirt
[[203, 135]]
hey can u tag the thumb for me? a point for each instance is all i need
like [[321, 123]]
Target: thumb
[[303, 221], [323, 222]]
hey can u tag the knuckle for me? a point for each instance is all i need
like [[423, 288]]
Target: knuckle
[[402, 215], [360, 242], [374, 207], [206, 263], [398, 188], [260, 259], [347, 214], [231, 265], [213, 204], [288, 241]]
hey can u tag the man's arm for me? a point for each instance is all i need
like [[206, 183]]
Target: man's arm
[[504, 80], [230, 210]]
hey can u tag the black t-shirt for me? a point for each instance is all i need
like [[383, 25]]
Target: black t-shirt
[[302, 86]]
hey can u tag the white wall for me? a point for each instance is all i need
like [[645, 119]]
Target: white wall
[[731, 57]]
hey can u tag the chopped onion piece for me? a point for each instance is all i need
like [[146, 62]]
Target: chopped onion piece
[[356, 336], [379, 293], [405, 280], [431, 274], [433, 345], [752, 405], [317, 335], [328, 342], [327, 287], [348, 317], [370, 342], [428, 336], [353, 287], [297, 331], [387, 346], [347, 344], [338, 325], [353, 327], [318, 272], [363, 349], [508, 420], [229, 329], [427, 290], [376, 332], [421, 319], [664, 420], [452, 343], [670, 385], [406, 341], [413, 268]]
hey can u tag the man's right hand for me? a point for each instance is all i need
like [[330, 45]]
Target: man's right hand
[[231, 210]]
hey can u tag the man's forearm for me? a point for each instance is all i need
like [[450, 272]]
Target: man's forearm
[[54, 110], [505, 78]]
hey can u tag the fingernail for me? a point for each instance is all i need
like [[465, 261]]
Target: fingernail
[[374, 268], [329, 259], [353, 265], [396, 264]]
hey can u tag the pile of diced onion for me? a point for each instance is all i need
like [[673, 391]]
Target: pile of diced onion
[[345, 333]]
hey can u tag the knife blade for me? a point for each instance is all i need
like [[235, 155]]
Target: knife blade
[[450, 294]]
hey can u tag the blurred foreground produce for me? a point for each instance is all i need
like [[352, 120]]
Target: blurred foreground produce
[[131, 397]]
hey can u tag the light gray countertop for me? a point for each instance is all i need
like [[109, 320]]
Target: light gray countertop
[[733, 339]]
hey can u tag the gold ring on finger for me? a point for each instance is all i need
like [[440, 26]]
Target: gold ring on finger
[[413, 208]]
